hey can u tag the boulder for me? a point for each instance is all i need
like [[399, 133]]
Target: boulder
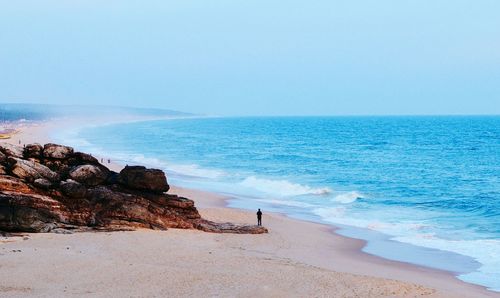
[[42, 183], [56, 151], [73, 189], [11, 150], [138, 177], [31, 170], [84, 158], [89, 174], [33, 151]]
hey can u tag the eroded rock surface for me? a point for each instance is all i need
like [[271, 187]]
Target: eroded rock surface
[[51, 188]]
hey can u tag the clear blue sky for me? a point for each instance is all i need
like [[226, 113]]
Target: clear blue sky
[[258, 57]]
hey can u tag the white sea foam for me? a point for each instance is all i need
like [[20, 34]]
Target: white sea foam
[[485, 251], [348, 197], [288, 203], [339, 215], [281, 188]]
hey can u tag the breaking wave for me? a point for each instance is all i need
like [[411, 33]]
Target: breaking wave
[[282, 188], [347, 198]]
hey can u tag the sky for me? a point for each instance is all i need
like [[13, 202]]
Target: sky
[[259, 57]]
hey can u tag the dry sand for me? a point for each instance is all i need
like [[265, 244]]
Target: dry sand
[[296, 259]]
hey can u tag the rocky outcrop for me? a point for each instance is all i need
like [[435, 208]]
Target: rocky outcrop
[[54, 189]]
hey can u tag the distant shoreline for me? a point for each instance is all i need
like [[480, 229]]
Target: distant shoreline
[[332, 252]]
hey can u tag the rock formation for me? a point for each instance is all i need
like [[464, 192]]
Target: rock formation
[[51, 188]]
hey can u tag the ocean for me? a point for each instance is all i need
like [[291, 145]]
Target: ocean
[[423, 189]]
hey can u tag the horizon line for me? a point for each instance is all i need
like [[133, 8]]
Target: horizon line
[[253, 115]]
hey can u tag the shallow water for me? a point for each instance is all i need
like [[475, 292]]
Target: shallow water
[[433, 182]]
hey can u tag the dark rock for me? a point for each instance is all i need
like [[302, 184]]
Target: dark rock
[[138, 177], [42, 183], [33, 151], [31, 170], [73, 189], [58, 165], [57, 151], [11, 150], [89, 174], [84, 158], [112, 177]]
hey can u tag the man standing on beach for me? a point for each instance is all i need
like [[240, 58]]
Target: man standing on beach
[[259, 217]]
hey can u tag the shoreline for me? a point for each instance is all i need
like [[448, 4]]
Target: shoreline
[[350, 251], [323, 248]]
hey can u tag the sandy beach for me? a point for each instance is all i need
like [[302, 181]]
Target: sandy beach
[[295, 259]]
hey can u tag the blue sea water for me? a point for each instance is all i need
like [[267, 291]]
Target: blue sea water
[[424, 190]]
